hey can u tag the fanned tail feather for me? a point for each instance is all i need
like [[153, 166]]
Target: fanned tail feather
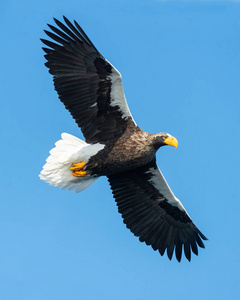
[[57, 171]]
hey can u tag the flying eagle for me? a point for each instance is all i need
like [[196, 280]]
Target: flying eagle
[[91, 89]]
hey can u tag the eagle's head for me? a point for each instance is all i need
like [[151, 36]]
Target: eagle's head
[[163, 139]]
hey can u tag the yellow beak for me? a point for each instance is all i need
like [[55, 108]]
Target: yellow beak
[[172, 141]]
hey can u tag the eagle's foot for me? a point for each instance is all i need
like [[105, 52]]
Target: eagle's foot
[[78, 169]]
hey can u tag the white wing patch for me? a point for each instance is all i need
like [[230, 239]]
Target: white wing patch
[[117, 93], [68, 150], [160, 183]]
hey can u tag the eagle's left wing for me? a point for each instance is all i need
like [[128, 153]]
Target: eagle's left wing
[[87, 84], [152, 212]]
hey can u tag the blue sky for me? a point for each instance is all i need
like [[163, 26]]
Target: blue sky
[[180, 62]]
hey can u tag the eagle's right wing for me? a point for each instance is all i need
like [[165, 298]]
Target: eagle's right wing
[[152, 212]]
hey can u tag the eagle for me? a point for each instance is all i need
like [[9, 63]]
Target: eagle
[[91, 89]]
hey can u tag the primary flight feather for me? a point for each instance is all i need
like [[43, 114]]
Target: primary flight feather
[[91, 89]]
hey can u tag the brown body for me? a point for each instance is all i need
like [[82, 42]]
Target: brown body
[[135, 148]]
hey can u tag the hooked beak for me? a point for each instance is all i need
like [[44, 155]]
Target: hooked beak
[[172, 141]]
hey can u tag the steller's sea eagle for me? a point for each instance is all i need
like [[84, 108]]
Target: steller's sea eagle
[[91, 89]]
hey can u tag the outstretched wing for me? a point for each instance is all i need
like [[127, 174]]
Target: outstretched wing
[[87, 84], [152, 212]]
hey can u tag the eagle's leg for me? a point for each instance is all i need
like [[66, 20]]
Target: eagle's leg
[[78, 169]]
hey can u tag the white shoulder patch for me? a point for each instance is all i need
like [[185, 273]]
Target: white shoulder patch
[[160, 183], [117, 93]]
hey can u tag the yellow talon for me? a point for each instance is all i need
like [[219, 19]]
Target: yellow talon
[[78, 169], [79, 173], [78, 166]]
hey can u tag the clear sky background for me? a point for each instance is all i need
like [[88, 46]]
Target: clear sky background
[[180, 62]]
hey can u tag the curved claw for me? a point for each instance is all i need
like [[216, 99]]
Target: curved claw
[[78, 169], [79, 173], [78, 166]]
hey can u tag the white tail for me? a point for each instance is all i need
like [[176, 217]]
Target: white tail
[[68, 150]]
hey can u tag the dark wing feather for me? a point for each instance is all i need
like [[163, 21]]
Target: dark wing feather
[[152, 212], [87, 84]]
